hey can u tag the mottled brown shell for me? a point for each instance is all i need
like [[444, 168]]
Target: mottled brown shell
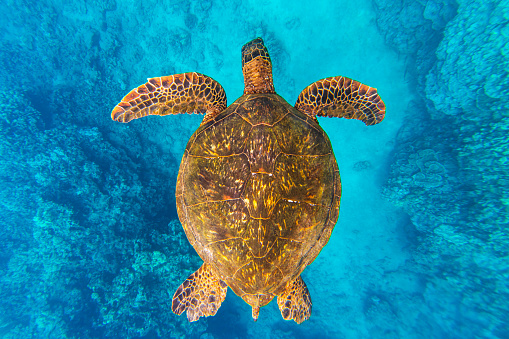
[[258, 194]]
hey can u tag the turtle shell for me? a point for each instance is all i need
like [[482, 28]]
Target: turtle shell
[[258, 194]]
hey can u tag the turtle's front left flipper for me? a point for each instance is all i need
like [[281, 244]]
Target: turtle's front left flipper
[[200, 295], [342, 97], [173, 94]]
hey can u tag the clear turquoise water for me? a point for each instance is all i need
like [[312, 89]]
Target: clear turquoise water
[[90, 243]]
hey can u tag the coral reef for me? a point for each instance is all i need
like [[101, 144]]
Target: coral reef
[[81, 246], [449, 170], [470, 78], [414, 29]]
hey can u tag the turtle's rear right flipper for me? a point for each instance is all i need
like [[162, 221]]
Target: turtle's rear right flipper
[[200, 295], [173, 94], [295, 302]]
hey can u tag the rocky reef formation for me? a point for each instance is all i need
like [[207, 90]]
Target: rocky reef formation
[[450, 167], [85, 201], [81, 248]]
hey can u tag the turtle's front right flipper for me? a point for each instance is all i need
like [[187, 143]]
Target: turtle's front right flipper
[[200, 295], [343, 98], [173, 94]]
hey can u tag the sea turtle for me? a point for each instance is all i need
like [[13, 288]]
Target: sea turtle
[[258, 188]]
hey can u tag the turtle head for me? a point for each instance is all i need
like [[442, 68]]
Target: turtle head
[[257, 68]]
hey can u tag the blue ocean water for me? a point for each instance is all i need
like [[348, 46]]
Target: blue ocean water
[[90, 242]]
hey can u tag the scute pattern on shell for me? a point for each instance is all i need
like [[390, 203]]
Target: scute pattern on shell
[[258, 221]]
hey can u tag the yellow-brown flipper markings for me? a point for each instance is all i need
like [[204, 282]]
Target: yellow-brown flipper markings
[[342, 97], [200, 295], [295, 302], [173, 94]]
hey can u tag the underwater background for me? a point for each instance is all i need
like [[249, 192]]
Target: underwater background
[[90, 242]]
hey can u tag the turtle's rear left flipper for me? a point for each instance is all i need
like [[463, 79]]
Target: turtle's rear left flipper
[[295, 302], [173, 94], [343, 98], [200, 295]]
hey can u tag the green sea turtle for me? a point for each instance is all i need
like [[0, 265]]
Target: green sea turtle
[[258, 188]]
